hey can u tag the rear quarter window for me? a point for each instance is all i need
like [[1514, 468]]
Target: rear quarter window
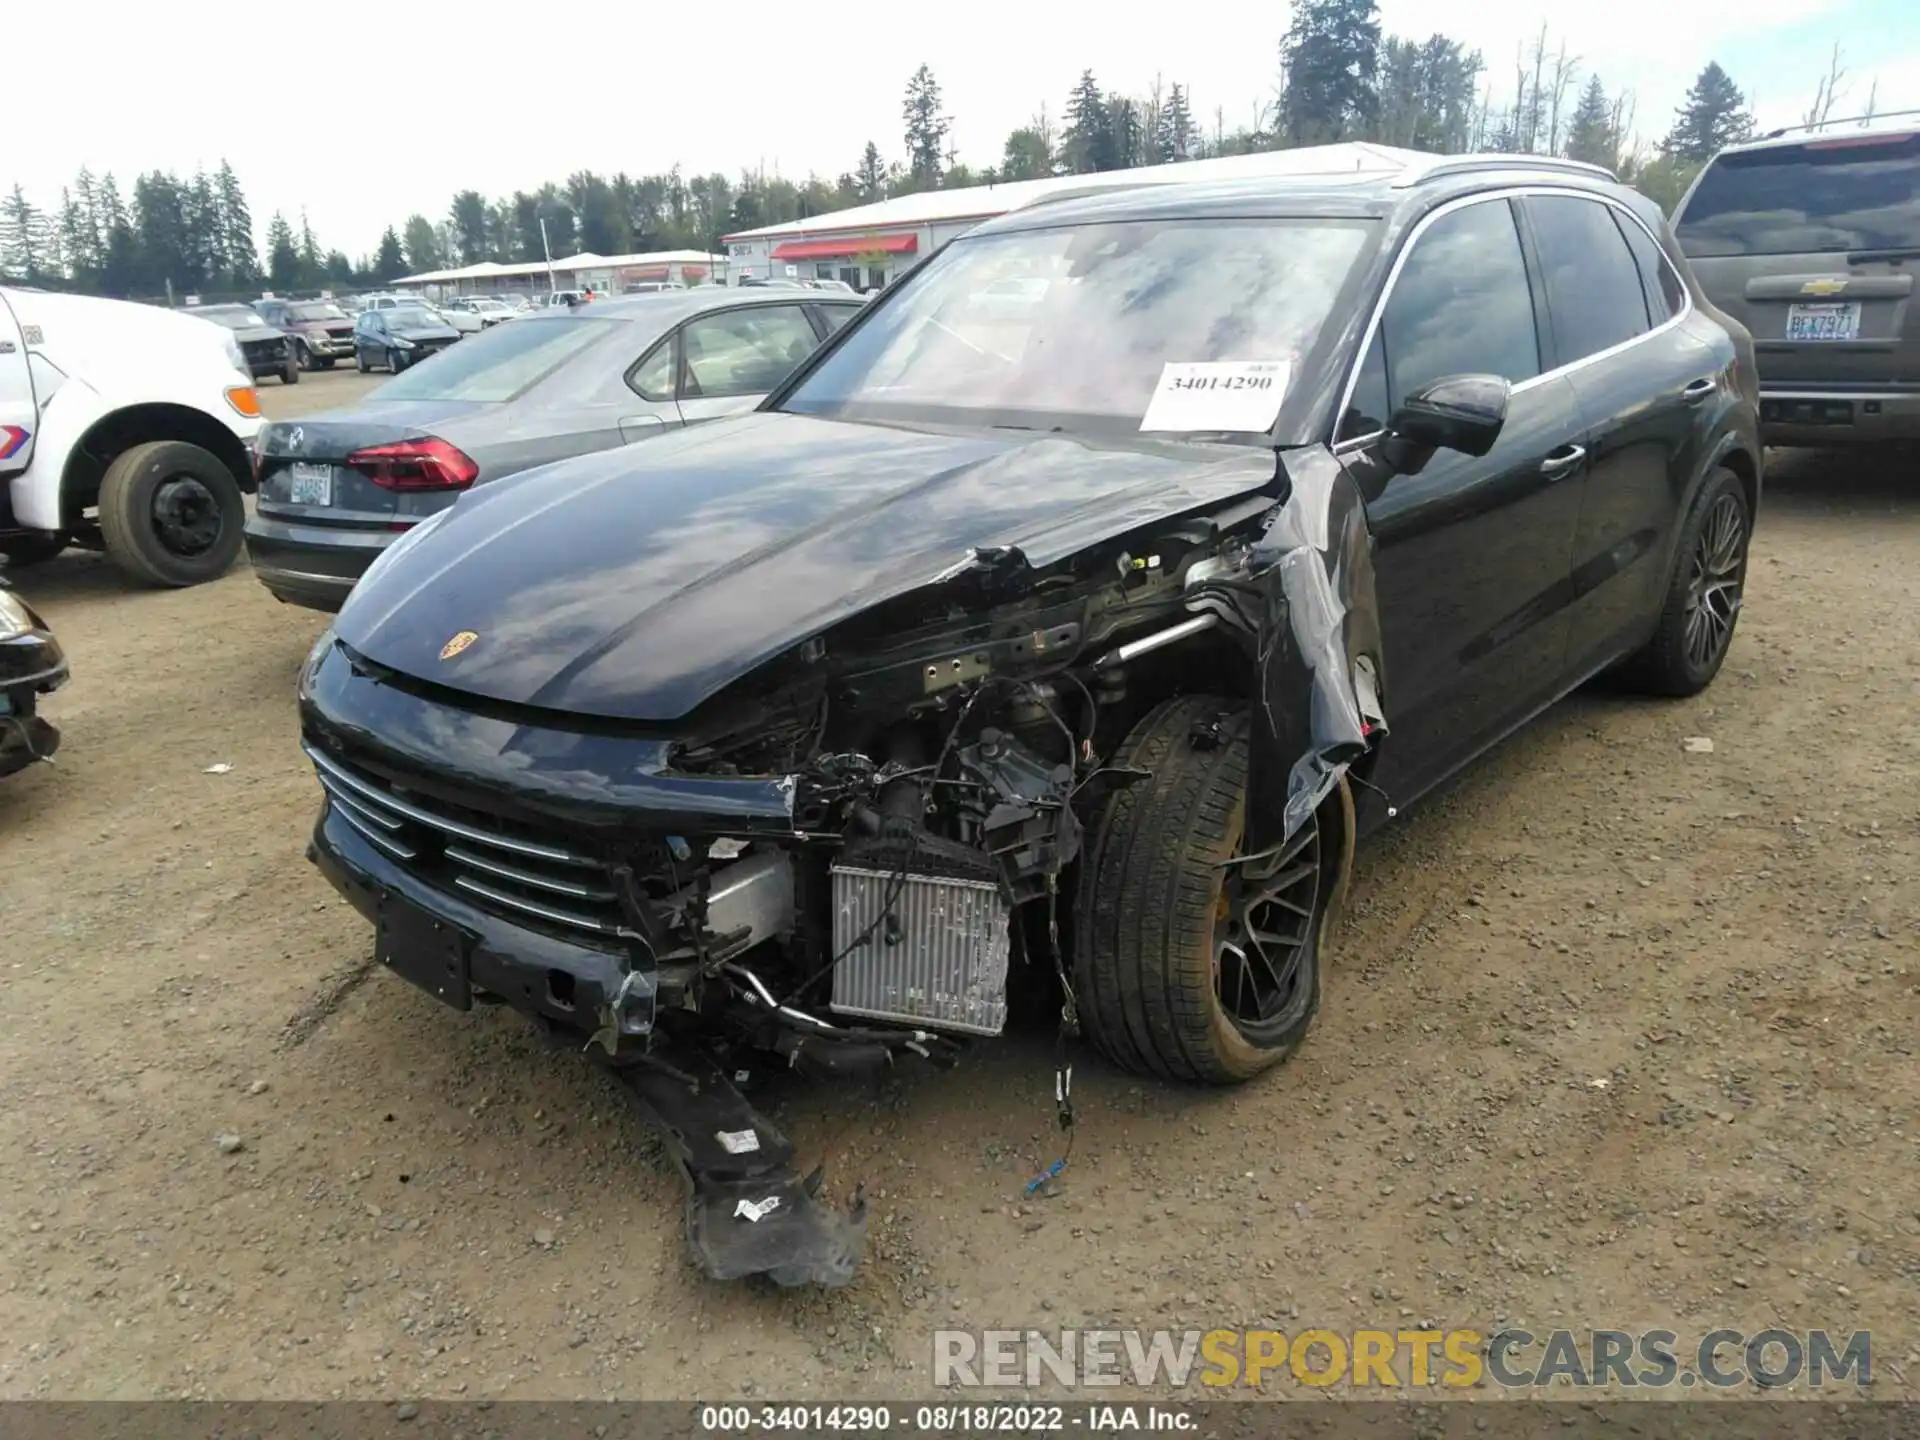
[[1825, 195]]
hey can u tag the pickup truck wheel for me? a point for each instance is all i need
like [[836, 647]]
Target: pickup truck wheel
[[32, 549], [171, 513], [1184, 965], [1702, 602], [290, 375]]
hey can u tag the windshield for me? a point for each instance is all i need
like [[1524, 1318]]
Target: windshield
[[1175, 326], [315, 312], [497, 363], [1824, 195], [234, 317], [401, 316]]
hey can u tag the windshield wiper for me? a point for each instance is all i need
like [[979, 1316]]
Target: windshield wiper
[[1886, 252]]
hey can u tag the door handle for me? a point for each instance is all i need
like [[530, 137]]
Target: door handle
[[1698, 390], [1562, 461]]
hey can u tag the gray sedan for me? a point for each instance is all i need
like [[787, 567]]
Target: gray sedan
[[336, 489]]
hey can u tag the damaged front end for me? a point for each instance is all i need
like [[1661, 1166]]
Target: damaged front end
[[32, 664], [850, 856]]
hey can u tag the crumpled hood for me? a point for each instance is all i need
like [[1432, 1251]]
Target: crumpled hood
[[635, 583]]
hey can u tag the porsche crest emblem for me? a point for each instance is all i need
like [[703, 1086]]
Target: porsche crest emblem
[[1823, 287], [458, 643]]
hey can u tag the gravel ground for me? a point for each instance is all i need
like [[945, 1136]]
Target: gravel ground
[[1616, 1034]]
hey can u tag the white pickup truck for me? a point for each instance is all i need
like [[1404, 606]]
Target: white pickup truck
[[124, 427]]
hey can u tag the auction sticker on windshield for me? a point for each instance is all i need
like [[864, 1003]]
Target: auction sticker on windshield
[[1241, 395]]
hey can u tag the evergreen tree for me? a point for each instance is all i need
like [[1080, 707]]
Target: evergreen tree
[[338, 269], [85, 243], [236, 228], [312, 266], [159, 221], [1590, 134], [120, 266], [206, 235], [283, 256], [1713, 116], [1126, 135], [1176, 137], [423, 245], [469, 217], [1427, 94], [927, 128], [1331, 59], [75, 241], [389, 263], [23, 237], [1088, 144], [871, 178]]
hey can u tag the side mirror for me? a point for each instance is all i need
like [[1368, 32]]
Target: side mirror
[[1456, 412]]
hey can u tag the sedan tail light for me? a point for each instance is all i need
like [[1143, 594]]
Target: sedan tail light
[[428, 464]]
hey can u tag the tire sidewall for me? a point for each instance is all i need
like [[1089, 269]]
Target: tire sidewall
[[126, 513]]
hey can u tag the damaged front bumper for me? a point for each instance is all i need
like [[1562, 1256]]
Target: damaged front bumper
[[32, 664]]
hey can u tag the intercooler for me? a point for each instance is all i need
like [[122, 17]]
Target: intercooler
[[939, 961]]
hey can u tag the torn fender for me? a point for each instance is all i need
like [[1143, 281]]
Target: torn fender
[[1319, 646]]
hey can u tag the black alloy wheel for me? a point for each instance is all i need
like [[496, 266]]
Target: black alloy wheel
[[1264, 936], [1716, 572]]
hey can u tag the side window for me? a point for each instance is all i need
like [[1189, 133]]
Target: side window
[[838, 315], [1666, 296], [652, 377], [744, 352], [1367, 411], [1592, 283], [1461, 304]]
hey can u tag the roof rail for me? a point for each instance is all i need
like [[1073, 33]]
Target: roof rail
[[1469, 164], [1819, 127]]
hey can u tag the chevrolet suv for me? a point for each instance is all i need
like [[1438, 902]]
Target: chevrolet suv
[[1813, 240]]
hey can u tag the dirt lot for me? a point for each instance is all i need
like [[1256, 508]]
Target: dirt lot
[[1616, 1034]]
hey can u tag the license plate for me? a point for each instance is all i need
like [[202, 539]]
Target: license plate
[[310, 484], [430, 952], [1839, 321]]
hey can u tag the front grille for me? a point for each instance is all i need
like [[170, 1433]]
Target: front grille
[[341, 332], [259, 350], [511, 870]]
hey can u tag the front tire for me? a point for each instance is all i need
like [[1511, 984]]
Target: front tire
[[360, 362], [290, 373], [1703, 598], [394, 362], [308, 360], [171, 514], [1184, 966]]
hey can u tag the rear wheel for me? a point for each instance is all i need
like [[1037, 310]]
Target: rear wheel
[[1185, 964], [290, 372], [1703, 597], [171, 513], [33, 549]]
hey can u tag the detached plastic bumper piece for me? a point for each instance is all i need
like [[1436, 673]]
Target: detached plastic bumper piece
[[749, 1212]]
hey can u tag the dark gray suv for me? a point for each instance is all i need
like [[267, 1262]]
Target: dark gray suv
[[1813, 240]]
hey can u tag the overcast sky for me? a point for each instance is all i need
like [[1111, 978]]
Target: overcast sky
[[363, 113]]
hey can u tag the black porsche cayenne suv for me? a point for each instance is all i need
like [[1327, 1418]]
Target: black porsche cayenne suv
[[1070, 614]]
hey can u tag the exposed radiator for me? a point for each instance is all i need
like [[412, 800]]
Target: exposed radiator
[[940, 963]]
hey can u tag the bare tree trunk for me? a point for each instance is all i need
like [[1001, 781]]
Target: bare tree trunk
[[1565, 69], [1827, 93]]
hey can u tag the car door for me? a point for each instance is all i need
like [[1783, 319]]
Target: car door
[[1472, 556], [19, 413], [1646, 390], [730, 359]]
